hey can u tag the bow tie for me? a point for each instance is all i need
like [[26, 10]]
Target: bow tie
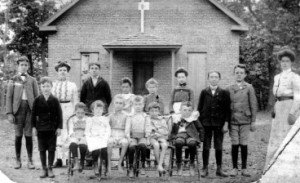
[[182, 84], [182, 122], [23, 74]]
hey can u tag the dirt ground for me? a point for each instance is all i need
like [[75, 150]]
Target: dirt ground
[[256, 159]]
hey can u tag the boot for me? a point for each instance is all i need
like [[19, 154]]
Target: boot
[[246, 173], [179, 169], [50, 172], [30, 164], [44, 173], [81, 165], [76, 164], [96, 169], [142, 170], [131, 174], [220, 172], [192, 169], [58, 163], [204, 172], [234, 172], [18, 164]]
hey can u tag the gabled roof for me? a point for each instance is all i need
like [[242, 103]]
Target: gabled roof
[[241, 25], [141, 41]]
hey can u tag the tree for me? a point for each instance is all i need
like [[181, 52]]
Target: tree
[[25, 17], [273, 25]]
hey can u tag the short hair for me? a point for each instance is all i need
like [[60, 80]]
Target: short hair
[[286, 53], [151, 81], [97, 103], [80, 105], [154, 105], [181, 70], [217, 72], [22, 59], [241, 66], [126, 80], [94, 63], [187, 104], [62, 64], [138, 99], [119, 96], [46, 80]]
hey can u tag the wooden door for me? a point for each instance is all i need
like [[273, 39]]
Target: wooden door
[[142, 71]]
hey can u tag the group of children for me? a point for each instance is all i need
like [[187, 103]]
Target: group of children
[[133, 122]]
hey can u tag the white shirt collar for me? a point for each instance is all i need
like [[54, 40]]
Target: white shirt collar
[[213, 87], [286, 71]]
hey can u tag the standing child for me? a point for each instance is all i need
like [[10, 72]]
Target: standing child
[[126, 86], [153, 96], [117, 122], [95, 87], [187, 131], [159, 133], [76, 128], [47, 122], [97, 133], [135, 131], [243, 114], [21, 93]]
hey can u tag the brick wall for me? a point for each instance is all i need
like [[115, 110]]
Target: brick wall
[[196, 24]]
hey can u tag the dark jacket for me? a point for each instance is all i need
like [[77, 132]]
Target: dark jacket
[[194, 129], [46, 115], [243, 104], [101, 91], [214, 109], [181, 94]]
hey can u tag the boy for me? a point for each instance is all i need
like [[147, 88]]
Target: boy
[[97, 133], [136, 133], [126, 87], [21, 93], [117, 122], [153, 96], [187, 131], [214, 107], [47, 123], [76, 128], [159, 133], [95, 87], [243, 115]]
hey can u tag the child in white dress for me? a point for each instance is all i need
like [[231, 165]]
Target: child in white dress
[[97, 133]]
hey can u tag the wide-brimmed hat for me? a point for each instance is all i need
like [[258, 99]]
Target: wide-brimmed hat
[[286, 53]]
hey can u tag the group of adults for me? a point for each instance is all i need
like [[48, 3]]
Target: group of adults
[[24, 88]]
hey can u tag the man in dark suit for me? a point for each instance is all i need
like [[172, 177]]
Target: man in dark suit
[[21, 92], [214, 108], [95, 87]]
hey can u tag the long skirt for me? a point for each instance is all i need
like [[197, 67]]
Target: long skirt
[[280, 127], [62, 145]]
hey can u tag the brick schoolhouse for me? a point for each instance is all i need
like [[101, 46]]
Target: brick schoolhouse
[[145, 38]]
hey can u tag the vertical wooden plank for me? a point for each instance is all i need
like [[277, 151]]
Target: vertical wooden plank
[[173, 68], [197, 72], [111, 60]]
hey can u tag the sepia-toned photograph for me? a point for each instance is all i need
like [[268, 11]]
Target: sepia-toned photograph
[[150, 91]]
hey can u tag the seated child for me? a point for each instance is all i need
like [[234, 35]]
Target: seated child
[[159, 133], [76, 137], [117, 122], [135, 132], [46, 119], [186, 131], [97, 133]]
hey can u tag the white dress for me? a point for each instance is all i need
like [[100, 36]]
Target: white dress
[[97, 132], [286, 84], [67, 93]]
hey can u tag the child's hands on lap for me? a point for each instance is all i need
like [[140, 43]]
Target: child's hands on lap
[[58, 132]]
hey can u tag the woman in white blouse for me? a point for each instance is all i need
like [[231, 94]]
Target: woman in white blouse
[[67, 94], [286, 90]]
